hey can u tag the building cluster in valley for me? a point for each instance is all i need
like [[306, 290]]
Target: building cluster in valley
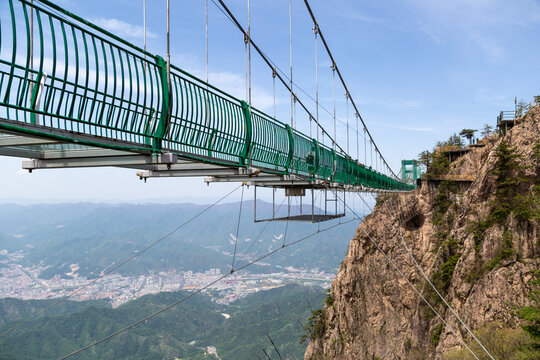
[[18, 281]]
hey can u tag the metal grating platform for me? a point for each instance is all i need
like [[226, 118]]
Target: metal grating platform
[[305, 218]]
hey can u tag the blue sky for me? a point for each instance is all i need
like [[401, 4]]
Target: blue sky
[[418, 71]]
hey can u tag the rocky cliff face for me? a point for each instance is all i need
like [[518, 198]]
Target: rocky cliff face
[[477, 241]]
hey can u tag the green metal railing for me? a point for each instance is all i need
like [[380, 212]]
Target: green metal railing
[[86, 85]]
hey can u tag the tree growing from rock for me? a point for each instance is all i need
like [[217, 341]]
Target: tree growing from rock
[[487, 130], [424, 159], [468, 134]]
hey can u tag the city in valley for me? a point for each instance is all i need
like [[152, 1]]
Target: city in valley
[[21, 282]]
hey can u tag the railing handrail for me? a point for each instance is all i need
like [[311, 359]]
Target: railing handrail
[[146, 111]]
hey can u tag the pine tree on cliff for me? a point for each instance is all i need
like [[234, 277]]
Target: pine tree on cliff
[[506, 171]]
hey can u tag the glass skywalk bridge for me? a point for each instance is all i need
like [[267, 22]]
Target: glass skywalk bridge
[[75, 95]]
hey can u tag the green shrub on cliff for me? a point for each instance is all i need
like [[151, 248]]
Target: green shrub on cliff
[[502, 342]]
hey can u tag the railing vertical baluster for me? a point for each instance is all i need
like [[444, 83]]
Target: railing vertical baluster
[[77, 69], [165, 105]]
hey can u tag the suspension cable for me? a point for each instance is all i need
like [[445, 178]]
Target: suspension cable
[[263, 229], [119, 265], [207, 104], [274, 86], [168, 47], [294, 111], [32, 40], [396, 209], [285, 235], [249, 65], [441, 297], [404, 243], [268, 223], [249, 53], [347, 106], [343, 81], [357, 138], [333, 67], [371, 151], [315, 31], [367, 234], [270, 64], [144, 26], [238, 228], [365, 147], [246, 63], [290, 60], [260, 258], [206, 27], [275, 347]]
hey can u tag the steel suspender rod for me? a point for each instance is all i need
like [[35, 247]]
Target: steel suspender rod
[[290, 61], [271, 65], [343, 82]]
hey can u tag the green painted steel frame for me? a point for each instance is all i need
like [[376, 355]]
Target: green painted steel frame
[[91, 82]]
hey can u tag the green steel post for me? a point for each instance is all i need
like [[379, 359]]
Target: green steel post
[[33, 101], [291, 148], [14, 52], [247, 142], [334, 168], [317, 155], [148, 127], [165, 114]]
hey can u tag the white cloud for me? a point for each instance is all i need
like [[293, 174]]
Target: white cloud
[[235, 84], [124, 29], [360, 17], [381, 21], [227, 81], [396, 104], [406, 127], [430, 33], [477, 23], [492, 50]]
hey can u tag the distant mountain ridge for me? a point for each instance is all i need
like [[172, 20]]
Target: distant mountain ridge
[[237, 331], [94, 236]]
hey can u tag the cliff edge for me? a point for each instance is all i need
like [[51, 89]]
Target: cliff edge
[[474, 228]]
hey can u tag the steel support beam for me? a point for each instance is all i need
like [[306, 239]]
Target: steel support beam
[[193, 172], [19, 152], [243, 178], [49, 153], [15, 140], [120, 161], [80, 158]]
